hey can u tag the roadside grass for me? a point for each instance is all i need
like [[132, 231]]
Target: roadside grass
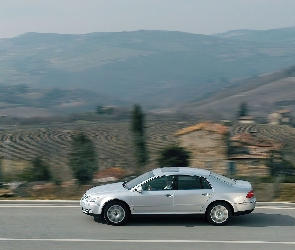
[[286, 192]]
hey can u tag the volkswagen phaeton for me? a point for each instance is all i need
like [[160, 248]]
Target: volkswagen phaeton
[[172, 190]]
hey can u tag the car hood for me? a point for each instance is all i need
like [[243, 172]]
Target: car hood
[[108, 188]]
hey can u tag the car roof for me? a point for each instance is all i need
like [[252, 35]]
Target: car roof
[[180, 171]]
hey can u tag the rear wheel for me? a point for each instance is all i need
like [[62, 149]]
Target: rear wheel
[[219, 213], [116, 213]]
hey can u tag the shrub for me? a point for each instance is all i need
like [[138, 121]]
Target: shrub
[[83, 158], [174, 156], [38, 172]]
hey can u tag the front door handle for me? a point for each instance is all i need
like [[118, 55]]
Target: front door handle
[[168, 195], [205, 194]]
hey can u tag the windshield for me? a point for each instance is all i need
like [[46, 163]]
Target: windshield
[[138, 180], [223, 178]]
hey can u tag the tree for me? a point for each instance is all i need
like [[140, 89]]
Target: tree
[[174, 156], [83, 158], [243, 109], [1, 170], [39, 171], [138, 129]]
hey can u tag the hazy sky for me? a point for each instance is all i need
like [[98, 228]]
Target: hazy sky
[[194, 16]]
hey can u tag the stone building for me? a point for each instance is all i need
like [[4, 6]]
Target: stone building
[[246, 120], [280, 117], [207, 143], [214, 148], [251, 154]]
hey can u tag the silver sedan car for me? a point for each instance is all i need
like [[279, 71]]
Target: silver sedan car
[[171, 190]]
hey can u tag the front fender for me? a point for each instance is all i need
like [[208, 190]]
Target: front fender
[[106, 200]]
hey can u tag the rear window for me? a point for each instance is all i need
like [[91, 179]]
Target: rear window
[[187, 182], [223, 179]]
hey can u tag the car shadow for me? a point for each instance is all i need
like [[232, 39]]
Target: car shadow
[[251, 220], [263, 220], [171, 220]]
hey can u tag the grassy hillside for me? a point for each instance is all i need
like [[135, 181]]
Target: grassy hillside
[[112, 138], [263, 94], [158, 69], [113, 141]]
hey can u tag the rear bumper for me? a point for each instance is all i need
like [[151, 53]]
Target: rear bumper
[[243, 212], [245, 207]]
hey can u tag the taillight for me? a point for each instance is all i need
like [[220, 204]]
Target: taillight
[[250, 194]]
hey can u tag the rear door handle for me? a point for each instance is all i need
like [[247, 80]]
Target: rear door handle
[[168, 195], [205, 194]]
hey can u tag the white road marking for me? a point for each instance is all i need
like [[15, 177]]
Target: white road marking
[[156, 241], [274, 207], [38, 206], [279, 207]]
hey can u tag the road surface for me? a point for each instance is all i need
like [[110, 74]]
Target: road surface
[[61, 225]]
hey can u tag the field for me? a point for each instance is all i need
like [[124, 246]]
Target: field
[[112, 138], [113, 141]]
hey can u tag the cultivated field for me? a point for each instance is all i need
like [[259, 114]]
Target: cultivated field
[[113, 141], [279, 133]]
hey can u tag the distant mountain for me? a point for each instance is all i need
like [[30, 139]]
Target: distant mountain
[[24, 101], [264, 94], [279, 36], [158, 69]]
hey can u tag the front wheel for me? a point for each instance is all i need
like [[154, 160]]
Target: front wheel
[[218, 213], [116, 213]]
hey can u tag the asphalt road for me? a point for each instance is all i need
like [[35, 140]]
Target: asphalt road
[[61, 225]]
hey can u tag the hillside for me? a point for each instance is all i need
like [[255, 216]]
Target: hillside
[[263, 94], [158, 69], [112, 139]]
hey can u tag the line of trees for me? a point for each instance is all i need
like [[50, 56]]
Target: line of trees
[[84, 157]]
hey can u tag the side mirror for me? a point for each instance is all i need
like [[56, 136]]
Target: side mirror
[[139, 189]]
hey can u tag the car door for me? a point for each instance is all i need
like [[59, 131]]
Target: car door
[[192, 193], [156, 197]]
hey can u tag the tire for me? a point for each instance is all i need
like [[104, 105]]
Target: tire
[[219, 213], [116, 213]]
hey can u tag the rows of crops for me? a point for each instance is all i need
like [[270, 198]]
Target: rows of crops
[[113, 141], [284, 134]]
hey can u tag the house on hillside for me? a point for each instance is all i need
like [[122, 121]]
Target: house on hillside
[[251, 154], [246, 119], [280, 117], [214, 148], [207, 143]]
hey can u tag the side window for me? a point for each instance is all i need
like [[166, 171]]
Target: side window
[[187, 182], [159, 183], [205, 183]]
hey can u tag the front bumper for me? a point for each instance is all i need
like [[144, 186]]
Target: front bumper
[[87, 211], [89, 208]]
